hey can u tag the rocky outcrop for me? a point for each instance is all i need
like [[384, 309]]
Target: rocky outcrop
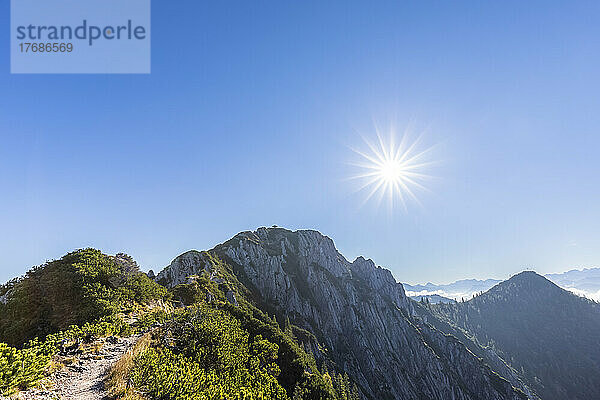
[[357, 311], [181, 268], [4, 297]]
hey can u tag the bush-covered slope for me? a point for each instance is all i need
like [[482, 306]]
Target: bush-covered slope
[[216, 345], [25, 367], [221, 346], [81, 287]]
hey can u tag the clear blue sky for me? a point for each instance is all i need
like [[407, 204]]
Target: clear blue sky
[[247, 117]]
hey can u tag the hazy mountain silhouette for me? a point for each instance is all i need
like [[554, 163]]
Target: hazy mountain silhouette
[[548, 334]]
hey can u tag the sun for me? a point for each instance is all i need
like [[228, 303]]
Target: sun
[[394, 169], [391, 171]]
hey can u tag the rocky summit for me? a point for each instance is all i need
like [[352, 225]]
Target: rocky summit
[[359, 317]]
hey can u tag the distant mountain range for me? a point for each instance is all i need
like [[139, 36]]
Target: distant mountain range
[[585, 282], [462, 289]]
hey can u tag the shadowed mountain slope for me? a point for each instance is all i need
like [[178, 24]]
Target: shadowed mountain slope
[[547, 334]]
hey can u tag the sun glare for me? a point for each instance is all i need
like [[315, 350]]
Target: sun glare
[[393, 171]]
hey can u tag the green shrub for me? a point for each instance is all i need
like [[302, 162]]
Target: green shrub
[[23, 368], [83, 286], [148, 319], [209, 356]]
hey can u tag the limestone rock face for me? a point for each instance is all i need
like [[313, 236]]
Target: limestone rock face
[[189, 263], [358, 312], [4, 297]]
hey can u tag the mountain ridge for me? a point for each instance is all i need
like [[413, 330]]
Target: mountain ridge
[[542, 330], [358, 312], [294, 293]]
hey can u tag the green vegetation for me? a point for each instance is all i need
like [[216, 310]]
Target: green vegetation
[[205, 353], [219, 346], [341, 385], [81, 287], [219, 351], [214, 349], [72, 300], [22, 368]]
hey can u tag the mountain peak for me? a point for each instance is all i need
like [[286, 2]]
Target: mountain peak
[[530, 278], [541, 329], [527, 273], [274, 232], [527, 288]]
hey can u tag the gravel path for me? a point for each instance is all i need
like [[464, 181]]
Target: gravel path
[[83, 380]]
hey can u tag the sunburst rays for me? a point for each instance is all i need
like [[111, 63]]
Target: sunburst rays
[[392, 169]]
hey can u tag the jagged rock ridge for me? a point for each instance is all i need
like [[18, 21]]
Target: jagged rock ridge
[[359, 313]]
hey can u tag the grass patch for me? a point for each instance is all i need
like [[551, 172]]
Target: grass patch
[[117, 382]]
